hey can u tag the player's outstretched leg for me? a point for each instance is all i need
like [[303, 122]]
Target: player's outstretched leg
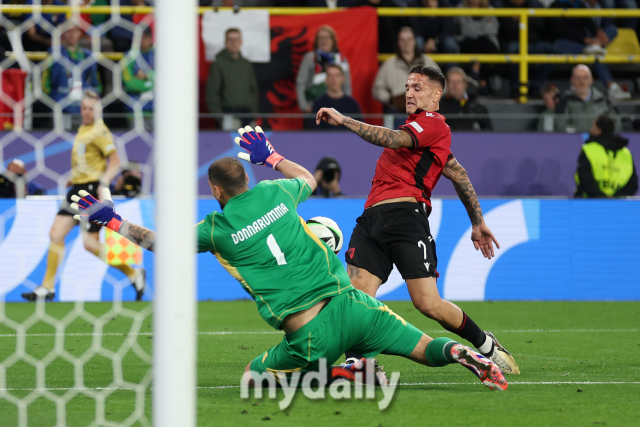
[[426, 298], [61, 226], [445, 351]]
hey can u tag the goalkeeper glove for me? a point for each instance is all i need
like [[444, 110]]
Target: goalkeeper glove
[[260, 150], [96, 211]]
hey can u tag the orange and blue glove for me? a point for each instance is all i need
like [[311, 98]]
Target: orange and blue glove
[[99, 212], [260, 150]]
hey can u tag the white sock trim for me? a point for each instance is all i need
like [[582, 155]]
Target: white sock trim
[[486, 347]]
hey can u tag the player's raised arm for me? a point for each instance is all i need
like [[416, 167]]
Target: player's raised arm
[[376, 135], [481, 235], [104, 213], [261, 152]]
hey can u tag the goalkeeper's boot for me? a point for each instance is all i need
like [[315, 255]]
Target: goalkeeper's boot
[[484, 368], [39, 294], [502, 357], [367, 366], [139, 282]]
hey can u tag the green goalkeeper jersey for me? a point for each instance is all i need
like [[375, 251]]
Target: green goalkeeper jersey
[[263, 243]]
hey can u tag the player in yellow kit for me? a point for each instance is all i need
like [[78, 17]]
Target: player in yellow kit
[[94, 164]]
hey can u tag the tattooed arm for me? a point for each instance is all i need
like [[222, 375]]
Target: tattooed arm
[[481, 235], [376, 135], [460, 180], [139, 235]]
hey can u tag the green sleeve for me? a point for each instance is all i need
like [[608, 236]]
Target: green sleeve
[[131, 83], [297, 188], [205, 234], [46, 76]]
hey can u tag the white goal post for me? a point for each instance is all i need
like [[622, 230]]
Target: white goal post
[[176, 119]]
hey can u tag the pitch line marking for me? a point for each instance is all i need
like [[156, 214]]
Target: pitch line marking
[[401, 384], [440, 331]]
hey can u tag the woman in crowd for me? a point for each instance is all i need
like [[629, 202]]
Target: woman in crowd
[[311, 74], [389, 87]]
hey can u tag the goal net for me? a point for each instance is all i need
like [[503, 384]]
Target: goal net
[[80, 353]]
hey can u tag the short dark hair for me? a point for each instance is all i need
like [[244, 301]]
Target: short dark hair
[[430, 72], [229, 174], [147, 32], [605, 124], [232, 30], [337, 66]]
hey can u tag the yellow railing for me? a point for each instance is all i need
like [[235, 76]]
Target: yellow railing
[[523, 58]]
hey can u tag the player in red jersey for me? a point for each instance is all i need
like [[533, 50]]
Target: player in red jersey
[[394, 228]]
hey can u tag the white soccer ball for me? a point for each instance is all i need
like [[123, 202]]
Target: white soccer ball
[[328, 231]]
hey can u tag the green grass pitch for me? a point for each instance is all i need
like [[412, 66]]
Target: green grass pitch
[[580, 365]]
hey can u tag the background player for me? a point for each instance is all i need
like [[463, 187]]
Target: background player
[[394, 228], [94, 164], [297, 282]]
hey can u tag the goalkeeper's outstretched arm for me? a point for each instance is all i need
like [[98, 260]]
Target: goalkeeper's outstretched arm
[[293, 170], [138, 234]]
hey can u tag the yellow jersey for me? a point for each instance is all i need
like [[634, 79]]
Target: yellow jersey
[[91, 147]]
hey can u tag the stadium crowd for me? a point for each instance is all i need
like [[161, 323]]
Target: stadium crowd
[[323, 77]]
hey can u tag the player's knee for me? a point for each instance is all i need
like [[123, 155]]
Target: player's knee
[[430, 308], [56, 237]]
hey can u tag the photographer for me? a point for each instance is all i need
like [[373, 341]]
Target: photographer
[[327, 176], [129, 183]]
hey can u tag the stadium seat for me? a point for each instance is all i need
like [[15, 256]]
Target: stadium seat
[[626, 43]]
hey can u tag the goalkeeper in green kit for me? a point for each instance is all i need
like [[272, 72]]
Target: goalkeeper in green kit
[[299, 284]]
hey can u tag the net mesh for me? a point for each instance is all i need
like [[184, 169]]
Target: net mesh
[[85, 357]]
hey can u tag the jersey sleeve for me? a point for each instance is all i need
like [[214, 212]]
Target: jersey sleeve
[[297, 188], [425, 131], [204, 230], [104, 141]]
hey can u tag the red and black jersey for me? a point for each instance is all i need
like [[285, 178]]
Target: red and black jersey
[[413, 172]]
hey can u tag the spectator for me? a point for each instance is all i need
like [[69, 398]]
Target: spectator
[[605, 164], [38, 37], [576, 109], [121, 35], [232, 86], [388, 26], [582, 35], [478, 34], [15, 172], [509, 36], [389, 87], [457, 103], [550, 97], [327, 176], [59, 82], [138, 75], [620, 4], [310, 82], [335, 96], [434, 34], [129, 183]]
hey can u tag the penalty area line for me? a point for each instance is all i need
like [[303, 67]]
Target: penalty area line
[[220, 387], [441, 331]]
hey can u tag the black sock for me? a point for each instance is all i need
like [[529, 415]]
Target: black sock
[[348, 354], [472, 333]]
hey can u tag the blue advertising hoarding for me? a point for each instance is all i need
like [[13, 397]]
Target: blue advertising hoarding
[[550, 250]]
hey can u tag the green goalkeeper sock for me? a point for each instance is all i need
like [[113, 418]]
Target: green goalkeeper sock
[[438, 352]]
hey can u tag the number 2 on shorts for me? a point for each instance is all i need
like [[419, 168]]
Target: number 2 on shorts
[[275, 250]]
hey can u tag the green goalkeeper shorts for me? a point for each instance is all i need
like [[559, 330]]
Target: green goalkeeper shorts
[[353, 321]]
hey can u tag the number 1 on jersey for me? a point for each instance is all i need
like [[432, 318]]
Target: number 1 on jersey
[[275, 250]]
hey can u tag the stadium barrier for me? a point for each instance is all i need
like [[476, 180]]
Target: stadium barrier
[[499, 164], [550, 250], [523, 58]]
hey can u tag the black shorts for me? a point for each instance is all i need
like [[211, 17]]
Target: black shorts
[[91, 188], [394, 233]]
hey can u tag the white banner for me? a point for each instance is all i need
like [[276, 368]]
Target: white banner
[[254, 26]]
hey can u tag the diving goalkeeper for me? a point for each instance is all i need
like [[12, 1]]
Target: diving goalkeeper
[[298, 284]]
